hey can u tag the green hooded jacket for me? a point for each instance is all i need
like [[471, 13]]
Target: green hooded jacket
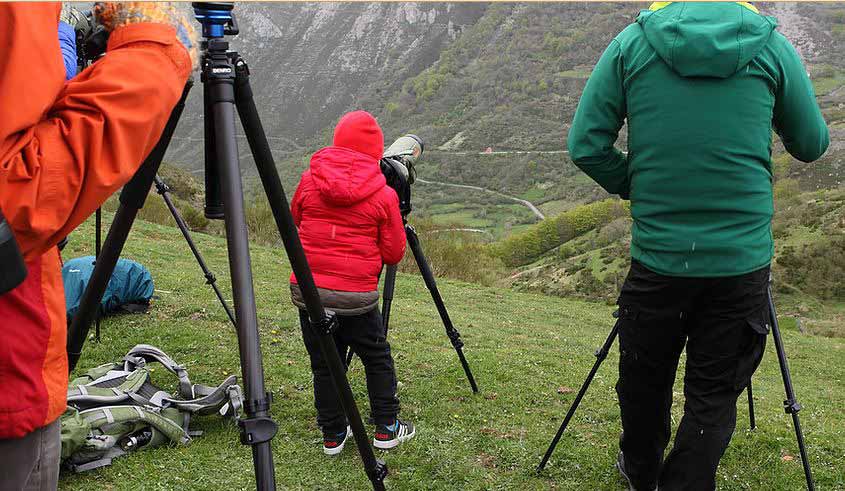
[[701, 85]]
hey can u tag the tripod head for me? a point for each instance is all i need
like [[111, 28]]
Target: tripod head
[[216, 18]]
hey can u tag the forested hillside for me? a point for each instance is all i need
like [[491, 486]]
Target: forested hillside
[[469, 78], [492, 88]]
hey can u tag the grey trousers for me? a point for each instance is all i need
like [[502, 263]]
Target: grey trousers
[[31, 463]]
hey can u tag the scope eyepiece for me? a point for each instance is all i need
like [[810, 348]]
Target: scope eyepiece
[[419, 140]]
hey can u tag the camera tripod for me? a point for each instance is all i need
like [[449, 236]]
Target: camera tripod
[[790, 405], [430, 283], [225, 78], [210, 279]]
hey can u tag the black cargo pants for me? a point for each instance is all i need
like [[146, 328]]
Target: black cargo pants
[[723, 323], [365, 335]]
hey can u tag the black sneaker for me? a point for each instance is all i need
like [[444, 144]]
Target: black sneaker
[[333, 442], [389, 436], [620, 466]]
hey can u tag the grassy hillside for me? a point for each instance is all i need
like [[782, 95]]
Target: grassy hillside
[[529, 352], [591, 262], [582, 252]]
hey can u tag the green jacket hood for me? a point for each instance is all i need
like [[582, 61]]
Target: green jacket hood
[[706, 39]]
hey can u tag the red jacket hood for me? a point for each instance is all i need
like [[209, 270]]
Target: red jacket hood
[[345, 177], [359, 131]]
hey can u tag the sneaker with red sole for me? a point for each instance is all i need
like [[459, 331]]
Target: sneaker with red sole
[[333, 442], [389, 436]]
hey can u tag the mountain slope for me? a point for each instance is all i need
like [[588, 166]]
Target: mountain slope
[[468, 77], [309, 62], [513, 79]]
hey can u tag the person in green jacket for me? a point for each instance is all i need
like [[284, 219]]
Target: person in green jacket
[[701, 86]]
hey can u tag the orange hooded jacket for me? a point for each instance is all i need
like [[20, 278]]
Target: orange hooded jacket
[[64, 149]]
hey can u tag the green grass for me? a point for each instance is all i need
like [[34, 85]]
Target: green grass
[[500, 219], [801, 235], [827, 84], [534, 194], [577, 73], [556, 207], [455, 214], [526, 350]]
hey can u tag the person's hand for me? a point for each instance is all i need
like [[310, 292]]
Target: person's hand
[[112, 15]]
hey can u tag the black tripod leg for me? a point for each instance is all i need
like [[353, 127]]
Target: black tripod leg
[[323, 322], [387, 296], [752, 421], [431, 284], [131, 200], [790, 405], [601, 354], [389, 287], [257, 428], [98, 242], [210, 279]]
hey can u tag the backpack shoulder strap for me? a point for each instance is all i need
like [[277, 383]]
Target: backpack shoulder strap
[[95, 373], [225, 399], [146, 352], [112, 388]]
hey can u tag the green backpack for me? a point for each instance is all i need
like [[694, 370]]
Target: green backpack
[[115, 409]]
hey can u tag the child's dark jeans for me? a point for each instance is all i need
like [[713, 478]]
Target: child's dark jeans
[[365, 335]]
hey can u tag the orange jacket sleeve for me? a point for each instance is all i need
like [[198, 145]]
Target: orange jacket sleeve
[[73, 144]]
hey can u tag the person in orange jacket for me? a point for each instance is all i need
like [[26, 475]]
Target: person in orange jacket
[[65, 147]]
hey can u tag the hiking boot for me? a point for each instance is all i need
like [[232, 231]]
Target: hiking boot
[[620, 466], [333, 442], [389, 436]]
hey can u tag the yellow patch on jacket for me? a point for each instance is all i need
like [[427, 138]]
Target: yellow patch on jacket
[[660, 5]]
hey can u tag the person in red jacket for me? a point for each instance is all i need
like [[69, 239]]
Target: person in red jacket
[[350, 225], [64, 148]]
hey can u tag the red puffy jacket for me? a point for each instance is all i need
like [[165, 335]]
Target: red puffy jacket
[[347, 216]]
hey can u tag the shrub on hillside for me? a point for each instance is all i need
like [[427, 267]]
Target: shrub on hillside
[[781, 166], [195, 219], [528, 246], [261, 224], [156, 211], [817, 269], [615, 230], [181, 183], [457, 255], [787, 193]]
